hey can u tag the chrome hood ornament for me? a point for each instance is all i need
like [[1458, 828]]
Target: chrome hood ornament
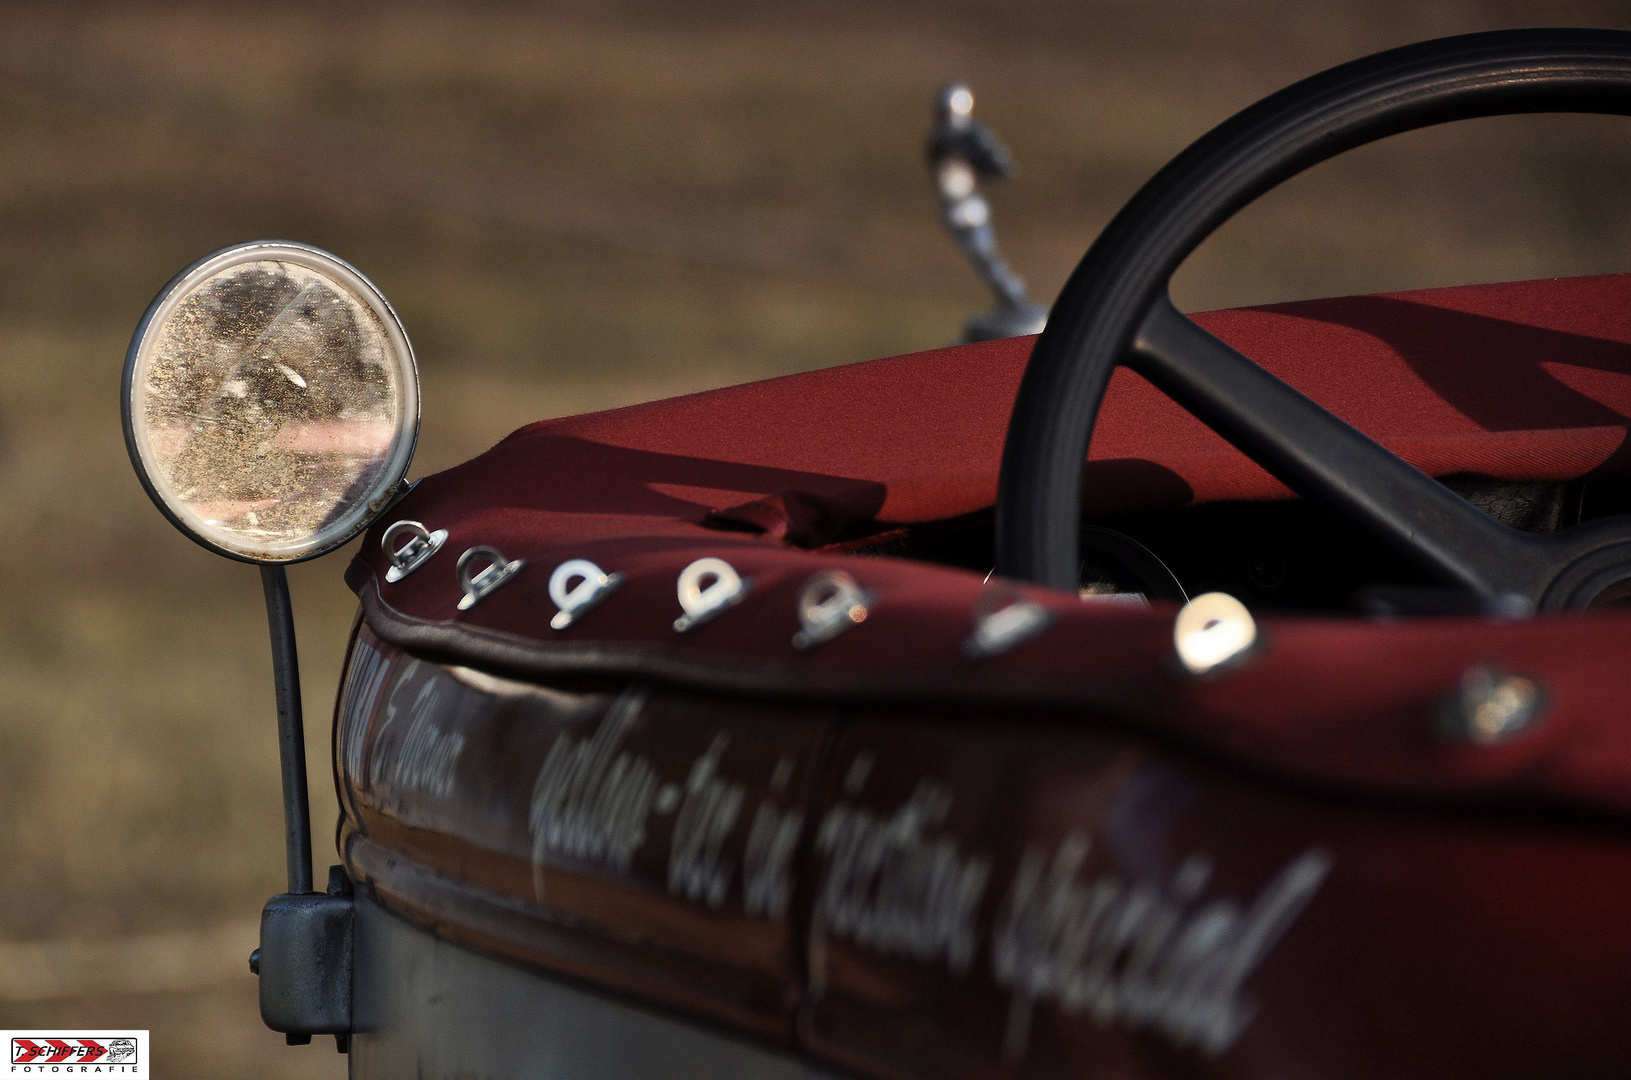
[[962, 151]]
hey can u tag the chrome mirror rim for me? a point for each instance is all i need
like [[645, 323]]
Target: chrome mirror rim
[[404, 440]]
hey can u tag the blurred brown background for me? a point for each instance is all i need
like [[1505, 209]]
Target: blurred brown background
[[572, 208]]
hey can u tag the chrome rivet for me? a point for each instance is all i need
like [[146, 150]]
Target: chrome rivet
[[593, 586], [725, 590], [497, 571], [412, 555], [1211, 630], [1002, 620], [830, 603], [1490, 706]]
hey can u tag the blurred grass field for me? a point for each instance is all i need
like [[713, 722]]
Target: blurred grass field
[[572, 208]]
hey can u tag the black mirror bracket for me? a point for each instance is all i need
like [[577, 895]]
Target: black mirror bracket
[[291, 727], [304, 963], [304, 959]]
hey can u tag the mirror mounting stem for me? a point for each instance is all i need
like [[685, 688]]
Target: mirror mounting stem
[[291, 728]]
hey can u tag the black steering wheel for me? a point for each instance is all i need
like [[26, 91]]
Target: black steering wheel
[[1115, 309]]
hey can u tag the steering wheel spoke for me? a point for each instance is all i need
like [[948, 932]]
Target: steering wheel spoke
[[1323, 458]]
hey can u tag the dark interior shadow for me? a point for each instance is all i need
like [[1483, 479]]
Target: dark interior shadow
[[1132, 485]]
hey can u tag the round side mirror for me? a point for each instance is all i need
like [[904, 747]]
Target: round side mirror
[[271, 402]]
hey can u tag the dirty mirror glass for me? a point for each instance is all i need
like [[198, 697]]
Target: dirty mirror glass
[[271, 401]]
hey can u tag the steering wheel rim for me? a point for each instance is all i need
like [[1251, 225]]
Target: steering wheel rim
[[1114, 309]]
